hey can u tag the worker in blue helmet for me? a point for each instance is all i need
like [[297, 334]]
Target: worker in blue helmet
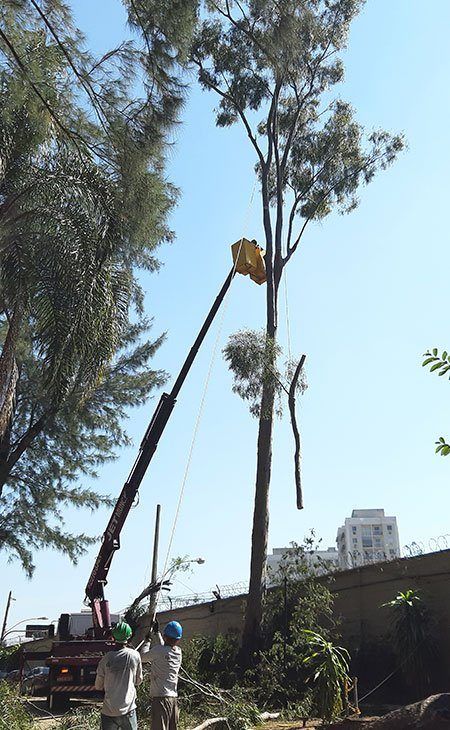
[[164, 655]]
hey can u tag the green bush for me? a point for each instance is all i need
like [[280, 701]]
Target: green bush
[[9, 657], [280, 676], [328, 666], [13, 713], [298, 603], [81, 719], [213, 660], [414, 641]]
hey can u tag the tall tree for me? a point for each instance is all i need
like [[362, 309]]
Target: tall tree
[[83, 203], [273, 63]]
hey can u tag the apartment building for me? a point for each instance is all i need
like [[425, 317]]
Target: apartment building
[[368, 536]]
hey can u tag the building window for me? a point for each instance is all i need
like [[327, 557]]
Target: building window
[[391, 552], [366, 541], [377, 530], [355, 541], [354, 530], [389, 528]]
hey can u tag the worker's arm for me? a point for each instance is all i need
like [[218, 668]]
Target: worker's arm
[[138, 674], [151, 640], [100, 676]]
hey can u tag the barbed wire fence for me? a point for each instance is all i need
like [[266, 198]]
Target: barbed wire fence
[[349, 560], [356, 558], [168, 602]]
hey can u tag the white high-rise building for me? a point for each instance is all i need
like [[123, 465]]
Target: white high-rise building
[[322, 561], [368, 536]]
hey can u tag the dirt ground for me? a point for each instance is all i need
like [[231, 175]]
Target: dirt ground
[[43, 719]]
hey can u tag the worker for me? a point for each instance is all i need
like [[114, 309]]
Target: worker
[[119, 673], [165, 663]]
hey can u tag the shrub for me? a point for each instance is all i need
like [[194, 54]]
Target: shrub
[[329, 665], [416, 647], [13, 713]]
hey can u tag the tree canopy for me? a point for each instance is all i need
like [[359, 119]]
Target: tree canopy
[[84, 202], [274, 66]]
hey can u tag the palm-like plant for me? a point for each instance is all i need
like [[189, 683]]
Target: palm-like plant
[[413, 639], [330, 667], [59, 266]]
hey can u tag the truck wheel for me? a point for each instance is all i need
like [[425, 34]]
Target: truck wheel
[[57, 701]]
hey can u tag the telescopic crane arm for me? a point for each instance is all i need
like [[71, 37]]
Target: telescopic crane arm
[[111, 536]]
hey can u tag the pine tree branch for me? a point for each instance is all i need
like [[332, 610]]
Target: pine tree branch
[[328, 192], [85, 83], [249, 33], [24, 442], [74, 136], [237, 107], [323, 57]]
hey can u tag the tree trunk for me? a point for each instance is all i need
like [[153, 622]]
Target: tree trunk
[[251, 639], [9, 373], [252, 635], [8, 460]]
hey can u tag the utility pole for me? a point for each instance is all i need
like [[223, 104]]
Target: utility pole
[[152, 604], [5, 620]]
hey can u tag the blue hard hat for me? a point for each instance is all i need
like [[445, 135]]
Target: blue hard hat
[[174, 630]]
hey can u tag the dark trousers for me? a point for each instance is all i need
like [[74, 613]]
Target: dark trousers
[[164, 713], [120, 722]]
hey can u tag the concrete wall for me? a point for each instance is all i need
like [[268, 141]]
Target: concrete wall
[[361, 591], [359, 594], [206, 619]]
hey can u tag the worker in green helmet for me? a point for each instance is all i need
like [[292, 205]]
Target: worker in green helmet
[[119, 673]]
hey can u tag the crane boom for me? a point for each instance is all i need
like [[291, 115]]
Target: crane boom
[[111, 536]]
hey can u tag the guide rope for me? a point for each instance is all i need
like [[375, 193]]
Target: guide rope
[[202, 405]]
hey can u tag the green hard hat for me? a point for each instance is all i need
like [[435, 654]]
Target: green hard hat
[[122, 632]]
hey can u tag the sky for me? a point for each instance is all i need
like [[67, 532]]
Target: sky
[[367, 295]]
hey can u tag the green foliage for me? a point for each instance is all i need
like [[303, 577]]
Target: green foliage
[[273, 65], [213, 660], [84, 201], [439, 363], [280, 59], [329, 665], [413, 639], [309, 602], [13, 715], [252, 358], [242, 714], [81, 436], [298, 602], [9, 657], [276, 679]]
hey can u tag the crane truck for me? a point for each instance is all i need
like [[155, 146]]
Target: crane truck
[[73, 658]]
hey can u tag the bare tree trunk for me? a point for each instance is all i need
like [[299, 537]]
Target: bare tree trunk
[[252, 635], [251, 639]]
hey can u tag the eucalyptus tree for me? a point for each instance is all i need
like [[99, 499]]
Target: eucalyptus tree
[[273, 65], [83, 203]]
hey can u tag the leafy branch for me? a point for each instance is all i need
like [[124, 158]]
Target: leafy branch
[[439, 363]]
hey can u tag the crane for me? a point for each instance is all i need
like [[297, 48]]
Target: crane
[[247, 259], [73, 659]]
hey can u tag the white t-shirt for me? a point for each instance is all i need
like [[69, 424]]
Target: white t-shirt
[[119, 673], [165, 663]]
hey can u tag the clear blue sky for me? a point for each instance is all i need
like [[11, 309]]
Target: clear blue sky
[[368, 293]]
